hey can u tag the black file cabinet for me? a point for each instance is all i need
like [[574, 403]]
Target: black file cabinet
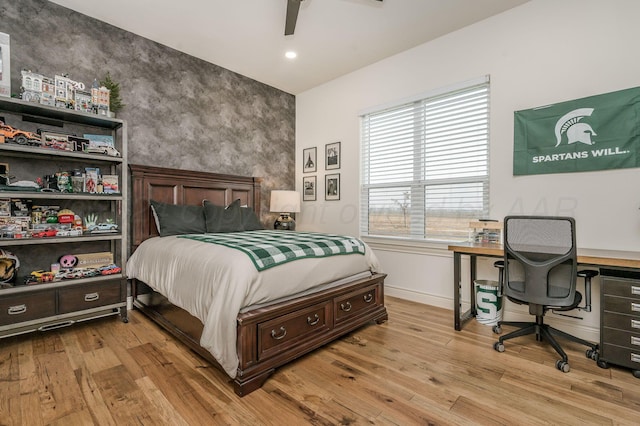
[[620, 319]]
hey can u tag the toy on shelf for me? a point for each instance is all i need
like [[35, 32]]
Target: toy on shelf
[[39, 277], [102, 227], [110, 269], [21, 137], [63, 92], [68, 261], [9, 265], [49, 232], [66, 216], [102, 149]]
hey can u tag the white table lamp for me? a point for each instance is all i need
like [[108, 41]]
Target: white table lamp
[[285, 203]]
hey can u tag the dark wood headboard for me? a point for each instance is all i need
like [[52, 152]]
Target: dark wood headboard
[[184, 187]]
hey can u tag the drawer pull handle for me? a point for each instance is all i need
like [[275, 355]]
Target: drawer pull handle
[[314, 320], [283, 332], [635, 324], [635, 290], [635, 340], [91, 297], [635, 357], [368, 297], [635, 307], [17, 310], [346, 306]]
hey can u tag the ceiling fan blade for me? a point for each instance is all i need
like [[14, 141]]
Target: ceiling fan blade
[[293, 6]]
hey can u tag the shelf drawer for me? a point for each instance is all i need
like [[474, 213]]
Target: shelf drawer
[[618, 355], [621, 287], [283, 332], [87, 296], [356, 303], [622, 305], [627, 339], [26, 307], [621, 322]]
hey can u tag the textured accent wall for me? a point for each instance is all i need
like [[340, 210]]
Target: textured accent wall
[[182, 112]]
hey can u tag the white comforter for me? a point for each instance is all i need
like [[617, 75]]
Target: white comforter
[[213, 283]]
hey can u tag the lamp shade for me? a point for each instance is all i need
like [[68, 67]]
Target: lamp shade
[[285, 201]]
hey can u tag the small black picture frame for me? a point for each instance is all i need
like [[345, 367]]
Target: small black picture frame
[[309, 160], [309, 188], [332, 187], [332, 156]]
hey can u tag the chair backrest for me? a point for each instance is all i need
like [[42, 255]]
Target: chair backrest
[[540, 259]]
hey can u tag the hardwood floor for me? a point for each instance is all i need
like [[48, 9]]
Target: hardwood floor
[[414, 369]]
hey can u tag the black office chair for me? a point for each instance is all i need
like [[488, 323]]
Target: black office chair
[[540, 270]]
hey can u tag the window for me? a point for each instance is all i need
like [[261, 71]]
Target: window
[[425, 171]]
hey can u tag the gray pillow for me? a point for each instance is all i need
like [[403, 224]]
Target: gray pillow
[[250, 220], [220, 219], [172, 219]]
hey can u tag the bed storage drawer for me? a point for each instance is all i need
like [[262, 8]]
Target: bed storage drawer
[[356, 303], [81, 297], [283, 332], [27, 306]]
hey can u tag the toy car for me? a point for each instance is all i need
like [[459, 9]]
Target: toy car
[[40, 276], [74, 232], [102, 227], [110, 269], [90, 272], [73, 273], [18, 136], [45, 233], [102, 149]]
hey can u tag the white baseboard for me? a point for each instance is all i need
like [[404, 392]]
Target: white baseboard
[[567, 325]]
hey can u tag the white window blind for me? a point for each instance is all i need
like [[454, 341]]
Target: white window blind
[[425, 169]]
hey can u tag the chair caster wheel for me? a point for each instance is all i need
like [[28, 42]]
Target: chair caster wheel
[[636, 373], [563, 366], [498, 346], [602, 363], [592, 354], [497, 329]]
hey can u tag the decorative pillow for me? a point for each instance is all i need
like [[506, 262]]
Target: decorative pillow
[[174, 219], [250, 220], [220, 219]]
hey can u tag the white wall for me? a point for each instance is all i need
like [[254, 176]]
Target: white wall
[[542, 52]]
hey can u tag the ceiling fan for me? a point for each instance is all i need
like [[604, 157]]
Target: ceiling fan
[[293, 6]]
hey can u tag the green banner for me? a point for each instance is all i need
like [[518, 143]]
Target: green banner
[[595, 133]]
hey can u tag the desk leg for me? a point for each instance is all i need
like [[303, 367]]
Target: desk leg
[[462, 317], [456, 290], [473, 262]]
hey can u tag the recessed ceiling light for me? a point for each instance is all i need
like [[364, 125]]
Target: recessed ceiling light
[[291, 54]]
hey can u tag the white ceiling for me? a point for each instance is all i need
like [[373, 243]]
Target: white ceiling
[[332, 37]]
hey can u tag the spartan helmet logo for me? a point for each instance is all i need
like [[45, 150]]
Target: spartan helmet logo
[[576, 131]]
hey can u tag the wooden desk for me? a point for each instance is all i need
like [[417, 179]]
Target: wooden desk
[[598, 258]]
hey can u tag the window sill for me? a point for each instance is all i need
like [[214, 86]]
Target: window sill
[[406, 245]]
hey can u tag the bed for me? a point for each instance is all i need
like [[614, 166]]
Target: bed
[[307, 311]]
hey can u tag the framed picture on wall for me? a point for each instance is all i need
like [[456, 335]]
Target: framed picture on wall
[[309, 188], [332, 187], [332, 156], [309, 159]]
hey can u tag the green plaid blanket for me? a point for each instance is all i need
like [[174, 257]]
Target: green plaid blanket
[[267, 249]]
